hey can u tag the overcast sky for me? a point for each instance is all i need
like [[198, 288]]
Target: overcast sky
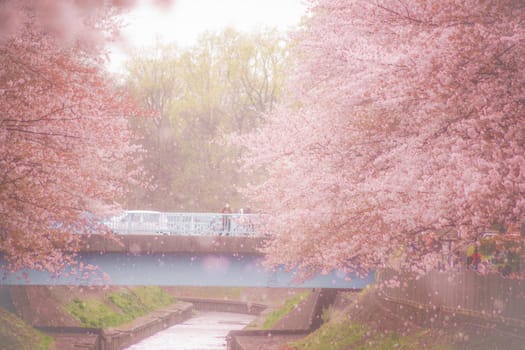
[[186, 19]]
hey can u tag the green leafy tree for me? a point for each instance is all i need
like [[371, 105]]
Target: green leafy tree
[[224, 84], [154, 81]]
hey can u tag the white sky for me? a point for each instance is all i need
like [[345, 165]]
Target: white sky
[[186, 19]]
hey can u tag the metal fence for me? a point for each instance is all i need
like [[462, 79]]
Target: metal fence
[[193, 224]]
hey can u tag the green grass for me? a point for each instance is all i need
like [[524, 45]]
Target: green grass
[[129, 304], [351, 335], [333, 336], [95, 313], [118, 307], [153, 297], [288, 306], [15, 334]]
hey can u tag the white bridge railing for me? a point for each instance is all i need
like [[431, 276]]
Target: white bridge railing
[[202, 224]]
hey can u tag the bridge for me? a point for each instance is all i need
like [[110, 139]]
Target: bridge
[[182, 249]]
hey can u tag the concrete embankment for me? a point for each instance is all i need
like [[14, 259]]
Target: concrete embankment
[[117, 338], [384, 323], [43, 308], [306, 317]]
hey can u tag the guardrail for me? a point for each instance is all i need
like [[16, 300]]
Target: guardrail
[[193, 224]]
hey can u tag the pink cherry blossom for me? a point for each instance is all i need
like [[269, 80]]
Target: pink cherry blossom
[[65, 153], [404, 121]]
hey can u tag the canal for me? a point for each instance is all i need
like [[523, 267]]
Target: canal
[[204, 331]]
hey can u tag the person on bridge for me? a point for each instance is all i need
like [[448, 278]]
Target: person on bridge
[[226, 219]]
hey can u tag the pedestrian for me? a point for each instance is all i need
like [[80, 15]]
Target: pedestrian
[[476, 258]]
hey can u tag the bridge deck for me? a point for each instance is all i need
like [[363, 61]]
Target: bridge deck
[[148, 244], [180, 249], [184, 269]]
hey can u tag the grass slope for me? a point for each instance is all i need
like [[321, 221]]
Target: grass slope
[[288, 306], [119, 307], [365, 323], [15, 334], [358, 336]]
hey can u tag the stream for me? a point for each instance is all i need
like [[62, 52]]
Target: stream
[[204, 331]]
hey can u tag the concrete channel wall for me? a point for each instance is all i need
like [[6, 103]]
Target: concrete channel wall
[[118, 338], [235, 338], [84, 338], [310, 309], [225, 305]]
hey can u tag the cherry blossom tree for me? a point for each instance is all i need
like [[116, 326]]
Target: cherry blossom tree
[[405, 121], [64, 147]]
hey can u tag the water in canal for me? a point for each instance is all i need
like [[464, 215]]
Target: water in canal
[[205, 331]]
